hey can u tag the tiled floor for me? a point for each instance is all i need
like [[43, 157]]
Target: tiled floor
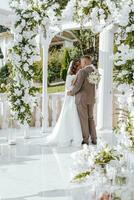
[[32, 171]]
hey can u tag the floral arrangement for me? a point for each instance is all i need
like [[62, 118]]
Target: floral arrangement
[[125, 130], [94, 77], [105, 170], [105, 155], [92, 159], [30, 17]]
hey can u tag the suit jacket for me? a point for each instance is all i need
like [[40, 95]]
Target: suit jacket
[[83, 90]]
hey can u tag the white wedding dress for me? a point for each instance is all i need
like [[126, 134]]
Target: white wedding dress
[[68, 129]]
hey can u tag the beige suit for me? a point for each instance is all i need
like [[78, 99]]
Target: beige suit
[[85, 98]]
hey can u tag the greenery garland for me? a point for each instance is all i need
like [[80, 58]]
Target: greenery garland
[[30, 17]]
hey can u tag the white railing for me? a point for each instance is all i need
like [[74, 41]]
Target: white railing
[[55, 102]]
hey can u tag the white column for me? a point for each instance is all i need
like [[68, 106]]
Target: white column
[[44, 87], [104, 111], [45, 43]]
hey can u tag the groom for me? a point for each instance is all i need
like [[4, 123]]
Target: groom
[[85, 98]]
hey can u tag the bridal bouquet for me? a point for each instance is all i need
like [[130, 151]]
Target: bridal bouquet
[[94, 77]]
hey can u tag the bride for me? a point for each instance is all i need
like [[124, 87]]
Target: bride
[[68, 129]]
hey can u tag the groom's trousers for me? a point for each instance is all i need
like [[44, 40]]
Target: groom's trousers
[[85, 113]]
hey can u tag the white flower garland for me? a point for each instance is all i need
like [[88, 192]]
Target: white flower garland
[[29, 17], [102, 13]]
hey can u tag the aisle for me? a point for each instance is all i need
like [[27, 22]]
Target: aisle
[[31, 171]]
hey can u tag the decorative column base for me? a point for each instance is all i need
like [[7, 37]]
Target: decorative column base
[[12, 137], [46, 131], [26, 132], [12, 142]]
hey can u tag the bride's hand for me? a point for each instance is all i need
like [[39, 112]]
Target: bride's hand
[[69, 93], [74, 81]]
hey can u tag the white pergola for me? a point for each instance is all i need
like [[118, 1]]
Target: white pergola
[[106, 38]]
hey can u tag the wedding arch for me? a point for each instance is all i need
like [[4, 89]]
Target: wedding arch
[[44, 18]]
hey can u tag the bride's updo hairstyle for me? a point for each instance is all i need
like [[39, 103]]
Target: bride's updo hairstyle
[[75, 65]]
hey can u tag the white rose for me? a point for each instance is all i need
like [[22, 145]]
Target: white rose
[[102, 16], [101, 11], [84, 3], [23, 23], [27, 49], [124, 72], [30, 61], [25, 15], [18, 92], [18, 101], [22, 109], [26, 67], [19, 37], [30, 72]]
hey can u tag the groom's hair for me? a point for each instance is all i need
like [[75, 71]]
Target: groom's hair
[[87, 57]]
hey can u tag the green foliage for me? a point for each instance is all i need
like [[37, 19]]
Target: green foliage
[[64, 74], [104, 157], [65, 63], [59, 60], [1, 54], [88, 43], [38, 72], [62, 5], [3, 29], [115, 196], [4, 75], [56, 89], [82, 176], [120, 180], [74, 52], [54, 66], [101, 158]]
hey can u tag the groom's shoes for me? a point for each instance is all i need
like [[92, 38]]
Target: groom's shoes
[[94, 142], [83, 142]]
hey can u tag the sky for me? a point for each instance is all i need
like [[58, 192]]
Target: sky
[[4, 4]]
